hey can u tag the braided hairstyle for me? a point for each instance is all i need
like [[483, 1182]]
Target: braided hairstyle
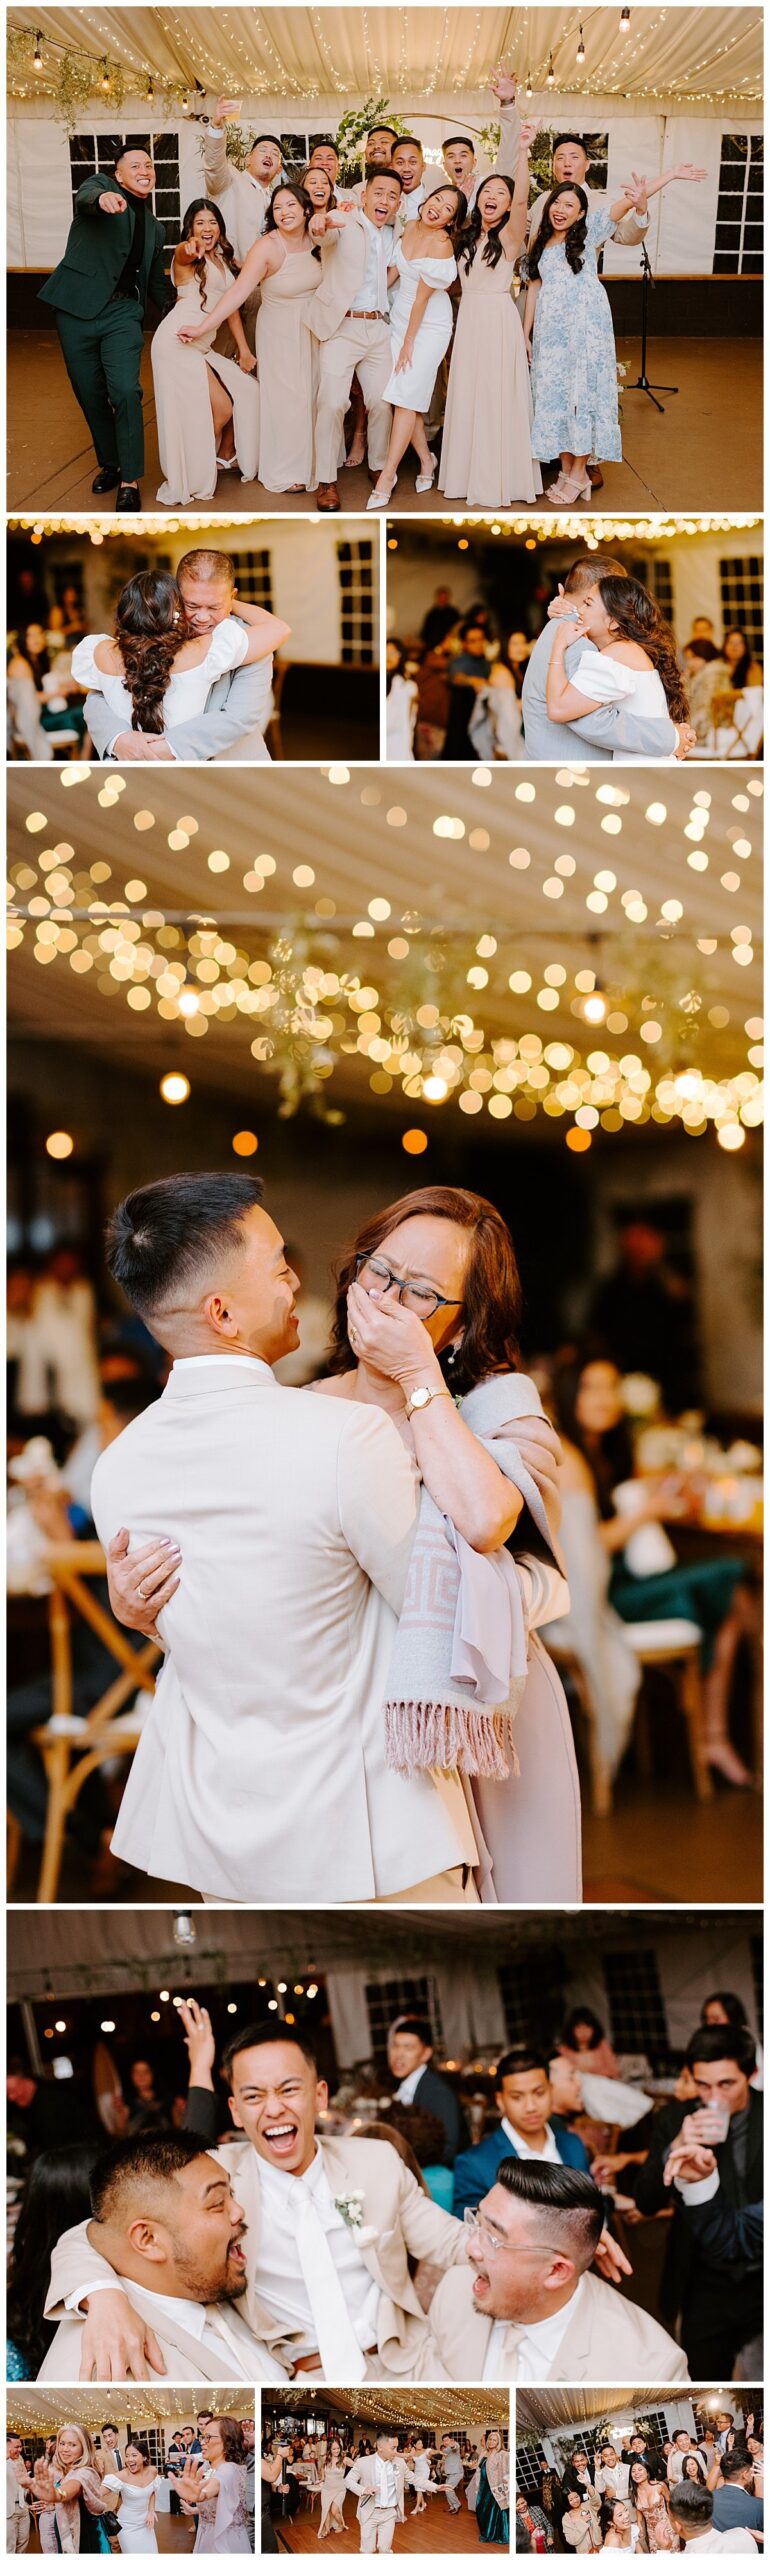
[[639, 618], [151, 627], [472, 233], [203, 204], [574, 239]]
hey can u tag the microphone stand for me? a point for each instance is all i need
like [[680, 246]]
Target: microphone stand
[[643, 383]]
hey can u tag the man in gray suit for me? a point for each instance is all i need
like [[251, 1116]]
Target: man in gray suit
[[614, 729], [239, 704]]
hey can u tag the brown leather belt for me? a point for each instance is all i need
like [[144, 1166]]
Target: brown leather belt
[[365, 315]]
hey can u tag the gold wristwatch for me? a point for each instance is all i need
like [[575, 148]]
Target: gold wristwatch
[[420, 1396]]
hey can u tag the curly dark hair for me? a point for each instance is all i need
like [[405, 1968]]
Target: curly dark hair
[[639, 618], [472, 233], [204, 204], [151, 627], [574, 239], [492, 1304]]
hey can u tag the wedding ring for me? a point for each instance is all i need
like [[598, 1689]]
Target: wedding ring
[[140, 1592]]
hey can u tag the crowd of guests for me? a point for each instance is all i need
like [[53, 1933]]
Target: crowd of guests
[[571, 2152], [45, 700], [402, 285], [379, 2470], [96, 2488], [468, 688], [635, 2493]]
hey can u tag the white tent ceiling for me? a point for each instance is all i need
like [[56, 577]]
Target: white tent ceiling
[[373, 838], [673, 55], [41, 2412]]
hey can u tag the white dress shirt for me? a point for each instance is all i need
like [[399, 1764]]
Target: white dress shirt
[[373, 290], [616, 2477], [237, 1359], [387, 2492], [524, 2150], [536, 2343], [279, 2279], [200, 2319], [407, 2089]]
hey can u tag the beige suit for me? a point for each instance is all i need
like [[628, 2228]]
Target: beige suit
[[402, 2218], [17, 2516], [608, 2339], [377, 2524], [348, 346], [188, 2359], [261, 1772], [629, 230]]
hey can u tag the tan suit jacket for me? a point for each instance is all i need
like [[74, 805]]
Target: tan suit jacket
[[395, 2210], [343, 265], [244, 201], [261, 1771], [362, 2479], [608, 2339], [630, 231], [188, 2359]]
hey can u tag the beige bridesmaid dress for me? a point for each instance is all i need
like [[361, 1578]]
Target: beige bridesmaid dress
[[186, 438], [486, 451], [287, 360]]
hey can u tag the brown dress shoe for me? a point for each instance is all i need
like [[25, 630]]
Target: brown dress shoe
[[327, 497], [595, 475]]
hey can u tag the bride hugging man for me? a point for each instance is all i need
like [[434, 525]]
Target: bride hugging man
[[187, 676]]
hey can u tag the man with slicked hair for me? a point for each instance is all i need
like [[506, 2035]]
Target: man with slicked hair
[[288, 1520], [113, 264], [528, 2308]]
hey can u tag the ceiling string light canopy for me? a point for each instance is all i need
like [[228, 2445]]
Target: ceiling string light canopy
[[316, 57], [570, 528], [605, 974]]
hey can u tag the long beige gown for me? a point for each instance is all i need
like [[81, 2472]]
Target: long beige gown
[[287, 361], [180, 375], [333, 2490], [486, 453]]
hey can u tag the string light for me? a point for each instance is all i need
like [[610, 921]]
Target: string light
[[105, 80], [550, 75], [37, 58], [625, 20], [581, 51]]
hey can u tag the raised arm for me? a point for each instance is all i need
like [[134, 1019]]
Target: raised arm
[[461, 1476], [504, 88], [257, 264], [514, 231], [266, 631]]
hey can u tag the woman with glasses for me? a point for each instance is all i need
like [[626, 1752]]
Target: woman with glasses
[[425, 1327]]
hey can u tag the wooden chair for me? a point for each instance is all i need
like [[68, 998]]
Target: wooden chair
[[662, 1644], [71, 1746]]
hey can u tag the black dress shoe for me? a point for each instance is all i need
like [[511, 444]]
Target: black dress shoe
[[105, 480], [128, 501]]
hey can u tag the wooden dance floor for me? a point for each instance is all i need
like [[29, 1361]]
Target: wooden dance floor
[[435, 2532], [702, 453]]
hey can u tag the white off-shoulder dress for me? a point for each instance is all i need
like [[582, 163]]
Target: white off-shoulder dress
[[188, 689], [414, 388], [603, 678]]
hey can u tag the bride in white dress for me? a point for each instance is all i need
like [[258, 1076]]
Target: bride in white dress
[[207, 405], [633, 657], [136, 2485], [157, 671], [421, 318]]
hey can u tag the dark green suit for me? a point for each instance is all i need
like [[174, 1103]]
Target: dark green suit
[[101, 332]]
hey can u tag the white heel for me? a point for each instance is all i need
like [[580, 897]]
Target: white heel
[[427, 477], [374, 502]]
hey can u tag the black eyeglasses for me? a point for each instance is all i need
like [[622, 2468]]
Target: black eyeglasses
[[422, 1301]]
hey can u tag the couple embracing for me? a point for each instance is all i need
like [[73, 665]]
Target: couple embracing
[[347, 1580]]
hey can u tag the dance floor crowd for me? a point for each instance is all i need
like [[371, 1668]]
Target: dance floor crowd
[[643, 2491]]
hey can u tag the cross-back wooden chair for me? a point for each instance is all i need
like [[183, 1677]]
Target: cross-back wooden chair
[[71, 1745]]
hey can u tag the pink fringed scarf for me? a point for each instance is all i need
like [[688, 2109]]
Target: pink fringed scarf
[[460, 1654]]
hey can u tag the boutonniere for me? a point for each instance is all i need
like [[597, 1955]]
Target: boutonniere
[[351, 2211]]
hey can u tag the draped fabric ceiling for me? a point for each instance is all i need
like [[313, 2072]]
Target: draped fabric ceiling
[[290, 55], [49, 1956], [510, 889], [41, 2412], [539, 2412], [442, 2412]]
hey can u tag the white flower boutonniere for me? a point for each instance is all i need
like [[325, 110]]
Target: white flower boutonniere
[[351, 2211]]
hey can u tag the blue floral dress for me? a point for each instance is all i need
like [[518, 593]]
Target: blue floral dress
[[574, 367]]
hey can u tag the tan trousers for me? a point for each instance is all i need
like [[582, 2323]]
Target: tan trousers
[[18, 2531], [378, 2525], [362, 347]]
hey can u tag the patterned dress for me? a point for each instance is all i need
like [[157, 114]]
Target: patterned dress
[[574, 369]]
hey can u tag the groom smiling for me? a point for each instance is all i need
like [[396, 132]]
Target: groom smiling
[[615, 729], [262, 1769]]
